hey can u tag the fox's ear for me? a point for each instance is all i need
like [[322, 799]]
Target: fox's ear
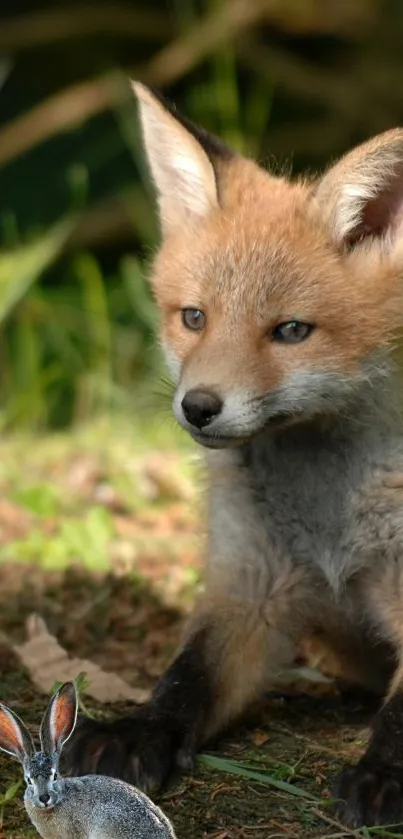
[[181, 168], [362, 195]]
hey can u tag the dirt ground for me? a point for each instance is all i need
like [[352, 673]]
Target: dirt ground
[[102, 539]]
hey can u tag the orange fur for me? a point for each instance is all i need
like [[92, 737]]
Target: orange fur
[[264, 258]]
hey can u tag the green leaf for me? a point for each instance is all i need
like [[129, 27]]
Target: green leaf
[[10, 793], [21, 267], [42, 499], [81, 682]]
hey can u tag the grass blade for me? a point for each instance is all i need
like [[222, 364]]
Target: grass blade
[[21, 267], [225, 765]]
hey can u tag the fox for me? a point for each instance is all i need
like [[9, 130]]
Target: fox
[[281, 311]]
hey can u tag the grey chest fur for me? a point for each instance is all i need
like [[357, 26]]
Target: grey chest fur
[[300, 490]]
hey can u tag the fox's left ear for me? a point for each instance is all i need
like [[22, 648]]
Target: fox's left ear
[[179, 160], [362, 195]]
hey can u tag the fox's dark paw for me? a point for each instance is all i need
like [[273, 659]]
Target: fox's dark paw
[[372, 795], [141, 750]]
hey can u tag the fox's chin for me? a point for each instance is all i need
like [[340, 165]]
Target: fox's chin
[[210, 441]]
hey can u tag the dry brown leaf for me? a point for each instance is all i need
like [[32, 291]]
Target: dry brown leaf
[[47, 662], [160, 477], [259, 738]]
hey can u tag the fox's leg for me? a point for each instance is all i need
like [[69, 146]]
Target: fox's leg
[[372, 791], [235, 646], [360, 663]]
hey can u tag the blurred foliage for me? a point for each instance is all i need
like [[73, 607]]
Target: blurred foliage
[[284, 80]]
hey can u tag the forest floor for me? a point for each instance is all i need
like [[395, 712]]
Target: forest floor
[[101, 535]]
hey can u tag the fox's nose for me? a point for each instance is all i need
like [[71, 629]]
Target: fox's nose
[[201, 406], [44, 798]]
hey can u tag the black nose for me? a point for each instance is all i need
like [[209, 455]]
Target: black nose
[[200, 407], [44, 798]]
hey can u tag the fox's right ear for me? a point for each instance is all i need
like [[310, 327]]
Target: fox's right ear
[[15, 738], [182, 170], [361, 196]]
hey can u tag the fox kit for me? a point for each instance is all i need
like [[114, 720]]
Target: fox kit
[[280, 305]]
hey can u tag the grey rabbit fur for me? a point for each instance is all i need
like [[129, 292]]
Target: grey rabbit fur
[[88, 807]]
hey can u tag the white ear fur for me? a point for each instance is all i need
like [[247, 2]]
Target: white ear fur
[[182, 172], [362, 195]]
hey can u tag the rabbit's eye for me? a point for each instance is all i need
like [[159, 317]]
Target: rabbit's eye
[[29, 781], [54, 776]]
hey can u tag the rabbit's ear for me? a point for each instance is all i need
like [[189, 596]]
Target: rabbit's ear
[[59, 719], [15, 738]]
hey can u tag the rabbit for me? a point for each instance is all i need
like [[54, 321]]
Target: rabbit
[[87, 807]]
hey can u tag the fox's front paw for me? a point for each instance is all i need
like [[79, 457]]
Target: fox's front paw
[[141, 750], [372, 795]]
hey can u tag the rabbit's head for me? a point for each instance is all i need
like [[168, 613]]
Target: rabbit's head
[[40, 767]]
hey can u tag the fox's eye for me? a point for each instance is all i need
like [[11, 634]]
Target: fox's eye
[[292, 332], [29, 781], [193, 319]]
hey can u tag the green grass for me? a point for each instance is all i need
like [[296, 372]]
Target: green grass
[[75, 349], [248, 772], [61, 530]]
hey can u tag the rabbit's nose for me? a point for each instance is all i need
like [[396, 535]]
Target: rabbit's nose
[[44, 798]]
